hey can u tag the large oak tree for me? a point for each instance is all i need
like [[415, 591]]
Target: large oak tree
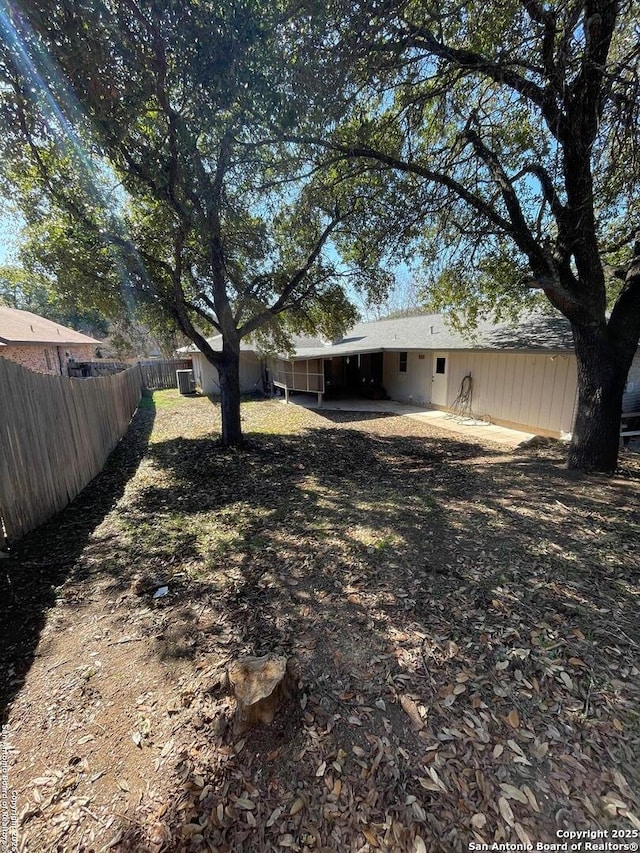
[[140, 130], [515, 127]]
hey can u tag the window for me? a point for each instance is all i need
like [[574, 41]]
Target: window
[[402, 367], [48, 359], [441, 364]]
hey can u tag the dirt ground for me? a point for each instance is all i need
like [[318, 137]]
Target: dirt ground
[[465, 618]]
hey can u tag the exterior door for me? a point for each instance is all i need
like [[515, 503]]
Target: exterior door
[[439, 379]]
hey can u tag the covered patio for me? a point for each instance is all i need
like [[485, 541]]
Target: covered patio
[[357, 375]]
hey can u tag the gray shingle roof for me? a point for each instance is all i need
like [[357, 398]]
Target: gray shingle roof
[[432, 332], [544, 332], [216, 344]]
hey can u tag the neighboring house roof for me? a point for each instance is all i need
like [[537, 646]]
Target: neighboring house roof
[[23, 327], [534, 332]]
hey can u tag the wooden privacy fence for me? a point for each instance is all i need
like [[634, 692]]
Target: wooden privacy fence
[[157, 373], [55, 436], [161, 373]]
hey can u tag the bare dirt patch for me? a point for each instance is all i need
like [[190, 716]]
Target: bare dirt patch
[[465, 617]]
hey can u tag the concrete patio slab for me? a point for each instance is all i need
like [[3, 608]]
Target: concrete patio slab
[[441, 420]]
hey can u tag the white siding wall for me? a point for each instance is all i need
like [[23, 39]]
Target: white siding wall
[[206, 375], [537, 392], [631, 399], [531, 391], [414, 386]]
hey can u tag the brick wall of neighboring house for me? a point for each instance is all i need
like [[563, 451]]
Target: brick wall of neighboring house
[[80, 352], [47, 359]]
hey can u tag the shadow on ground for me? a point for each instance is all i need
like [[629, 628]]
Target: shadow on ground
[[434, 507], [339, 415], [346, 546], [352, 548], [45, 558]]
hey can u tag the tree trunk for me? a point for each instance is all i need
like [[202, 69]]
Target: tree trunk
[[229, 373], [602, 373]]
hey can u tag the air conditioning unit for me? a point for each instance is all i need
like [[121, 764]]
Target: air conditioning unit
[[186, 382]]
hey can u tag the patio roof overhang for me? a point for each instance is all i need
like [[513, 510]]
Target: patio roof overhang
[[329, 352], [336, 351]]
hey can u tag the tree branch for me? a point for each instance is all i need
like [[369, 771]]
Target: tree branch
[[502, 73], [368, 153], [281, 303], [519, 229], [620, 243], [625, 316], [546, 183]]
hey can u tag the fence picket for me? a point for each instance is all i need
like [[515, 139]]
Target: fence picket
[[161, 373], [55, 436], [158, 373]]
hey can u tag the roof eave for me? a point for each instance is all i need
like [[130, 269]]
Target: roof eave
[[57, 343]]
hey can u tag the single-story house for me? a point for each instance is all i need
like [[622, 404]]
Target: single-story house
[[40, 344], [252, 368], [523, 376]]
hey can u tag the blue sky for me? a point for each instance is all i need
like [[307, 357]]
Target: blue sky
[[10, 225]]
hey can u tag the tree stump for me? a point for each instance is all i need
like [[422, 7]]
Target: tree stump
[[260, 686]]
